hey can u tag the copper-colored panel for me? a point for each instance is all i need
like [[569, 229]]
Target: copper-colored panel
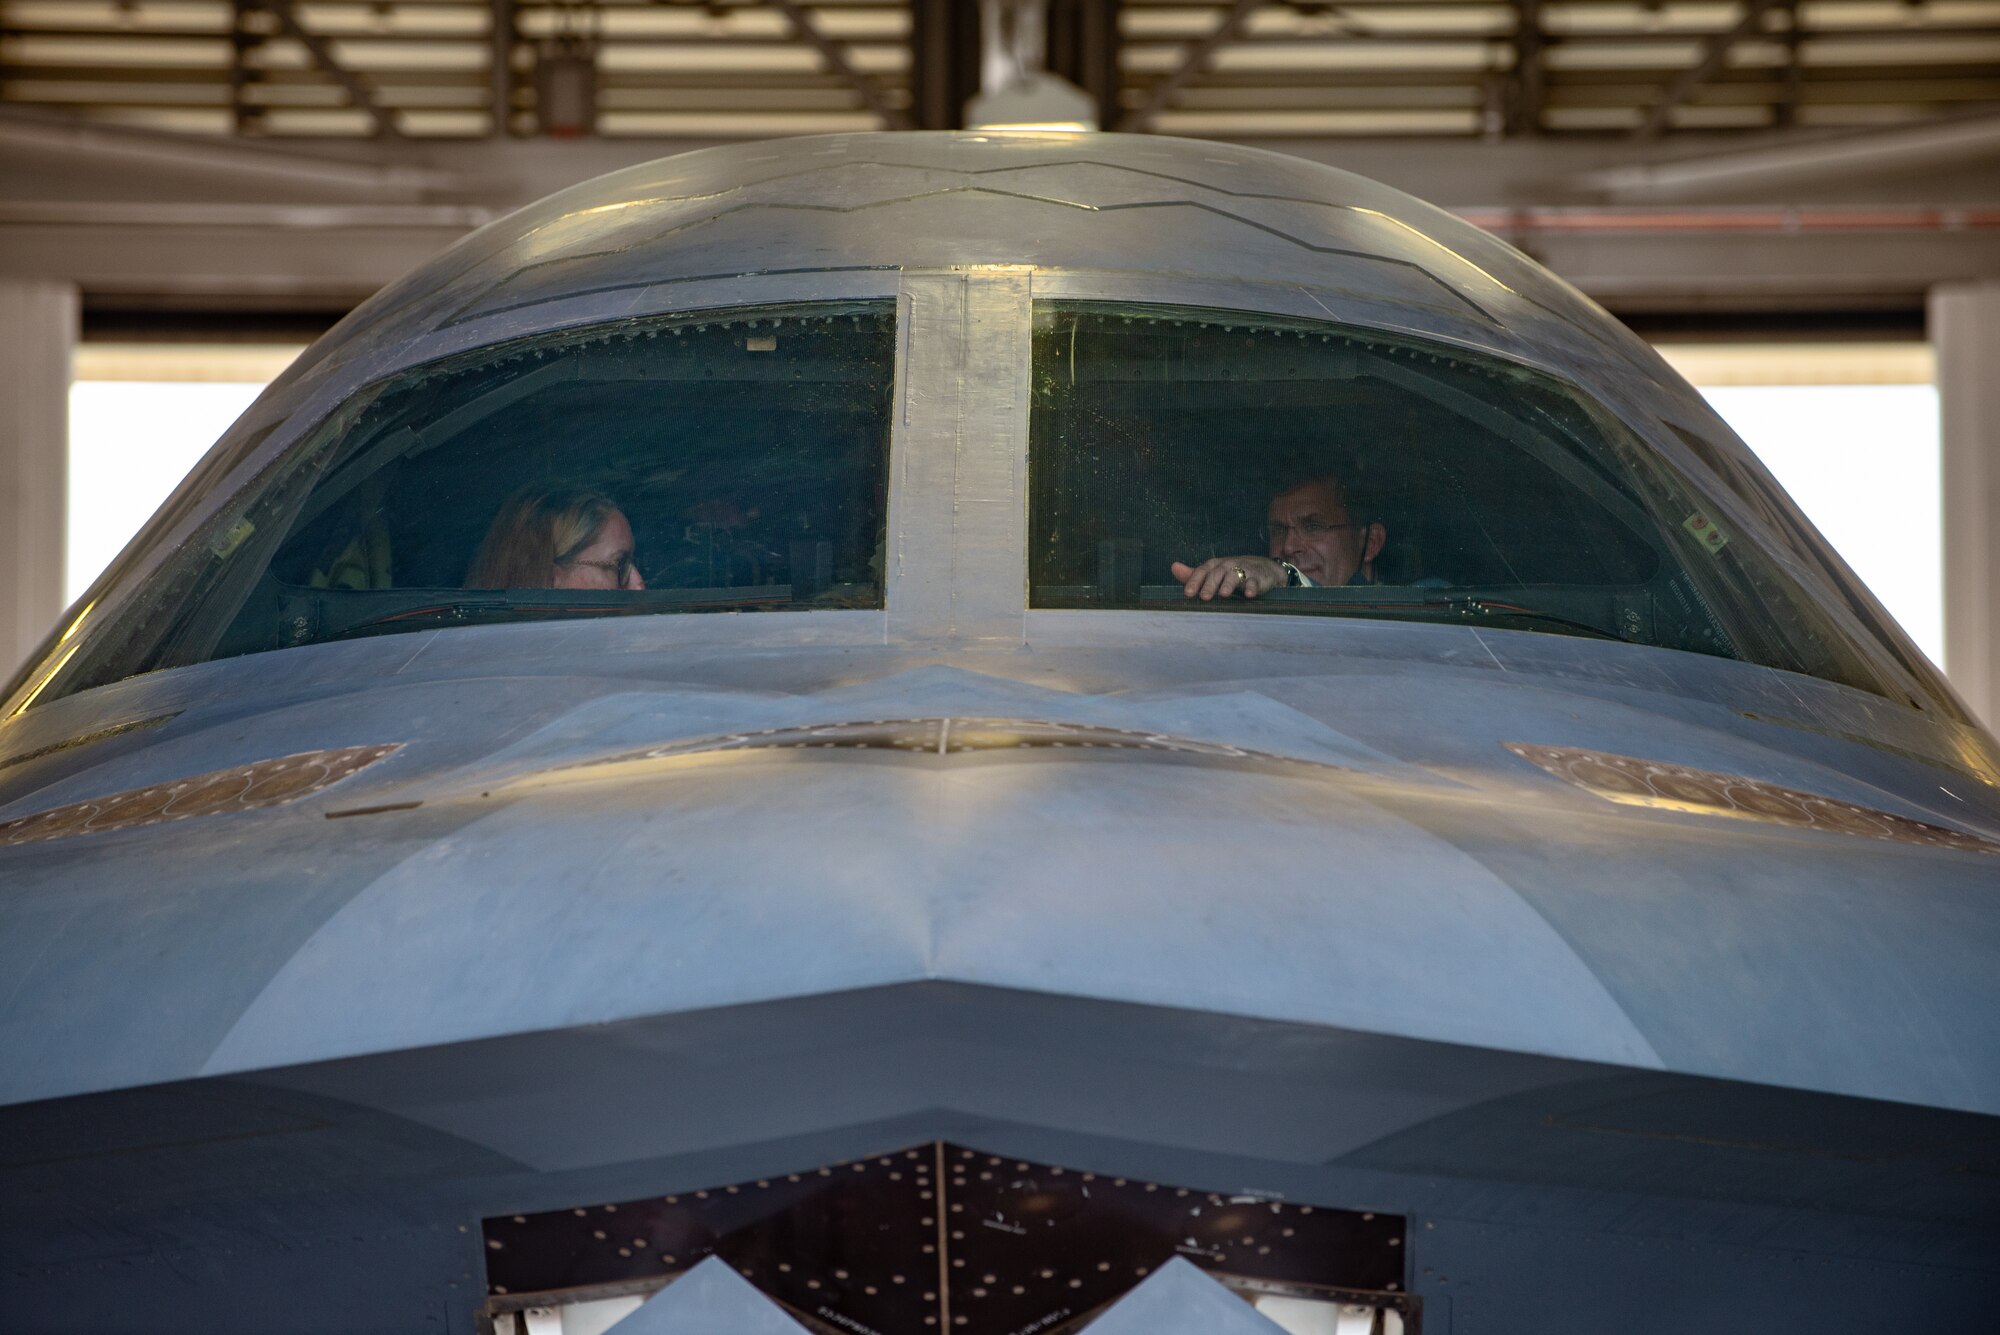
[[266, 783], [1757, 800], [51, 824], [283, 782], [1631, 781], [141, 806], [209, 792]]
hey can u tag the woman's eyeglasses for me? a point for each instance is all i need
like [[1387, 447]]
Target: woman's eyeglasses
[[619, 570]]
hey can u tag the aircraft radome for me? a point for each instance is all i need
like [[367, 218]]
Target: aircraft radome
[[668, 772]]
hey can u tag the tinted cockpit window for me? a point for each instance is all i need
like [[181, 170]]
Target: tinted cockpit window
[[725, 462], [1285, 467]]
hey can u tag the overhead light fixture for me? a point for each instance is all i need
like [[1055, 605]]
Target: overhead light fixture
[[566, 89], [566, 73], [1016, 92], [1039, 101]]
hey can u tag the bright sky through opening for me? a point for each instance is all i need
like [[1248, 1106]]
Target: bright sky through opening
[[1851, 431]]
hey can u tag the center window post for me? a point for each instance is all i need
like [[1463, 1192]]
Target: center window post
[[958, 511]]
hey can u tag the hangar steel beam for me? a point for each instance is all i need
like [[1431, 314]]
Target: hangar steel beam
[[1530, 69], [1791, 160], [944, 62], [1194, 59], [1713, 57], [1785, 113], [329, 64], [1083, 48], [209, 161], [805, 30], [500, 68], [243, 114]]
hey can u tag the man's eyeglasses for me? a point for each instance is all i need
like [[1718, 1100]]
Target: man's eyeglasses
[[619, 570], [1308, 528]]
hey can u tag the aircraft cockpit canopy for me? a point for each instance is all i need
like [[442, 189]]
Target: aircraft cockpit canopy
[[741, 460], [1392, 477], [732, 462]]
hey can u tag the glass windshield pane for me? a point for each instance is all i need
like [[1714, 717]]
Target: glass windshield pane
[[727, 462], [1195, 460]]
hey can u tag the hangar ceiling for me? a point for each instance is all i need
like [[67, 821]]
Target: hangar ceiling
[[1665, 155], [1222, 68]]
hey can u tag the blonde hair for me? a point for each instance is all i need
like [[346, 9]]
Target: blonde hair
[[536, 530]]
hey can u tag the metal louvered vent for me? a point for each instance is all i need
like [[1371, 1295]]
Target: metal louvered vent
[[1630, 781], [266, 783], [940, 1237], [946, 737]]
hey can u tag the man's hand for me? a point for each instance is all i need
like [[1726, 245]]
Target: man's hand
[[1229, 576]]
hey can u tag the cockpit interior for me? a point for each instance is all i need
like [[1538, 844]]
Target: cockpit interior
[[747, 453]]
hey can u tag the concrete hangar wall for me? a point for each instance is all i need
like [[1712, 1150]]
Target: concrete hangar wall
[[1827, 169]]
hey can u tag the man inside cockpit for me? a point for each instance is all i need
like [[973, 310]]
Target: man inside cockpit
[[1314, 540]]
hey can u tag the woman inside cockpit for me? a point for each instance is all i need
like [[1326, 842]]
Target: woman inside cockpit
[[556, 537]]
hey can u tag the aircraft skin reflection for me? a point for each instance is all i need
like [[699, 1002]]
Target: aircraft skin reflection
[[953, 948]]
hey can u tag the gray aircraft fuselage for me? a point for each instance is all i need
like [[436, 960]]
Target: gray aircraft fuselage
[[1282, 911]]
